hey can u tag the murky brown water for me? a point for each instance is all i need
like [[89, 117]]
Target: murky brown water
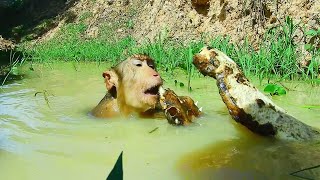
[[60, 140]]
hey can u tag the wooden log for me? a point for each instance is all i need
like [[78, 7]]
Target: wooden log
[[246, 104]]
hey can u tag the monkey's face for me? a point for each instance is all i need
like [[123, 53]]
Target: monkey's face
[[140, 84], [135, 83]]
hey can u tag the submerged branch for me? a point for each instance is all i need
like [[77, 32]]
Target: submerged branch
[[45, 96], [153, 130], [305, 169]]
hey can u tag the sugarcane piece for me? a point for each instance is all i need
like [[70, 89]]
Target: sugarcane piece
[[179, 110]]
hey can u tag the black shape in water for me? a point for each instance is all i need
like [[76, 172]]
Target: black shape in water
[[117, 171], [305, 169]]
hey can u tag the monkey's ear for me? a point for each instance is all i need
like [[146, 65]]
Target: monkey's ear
[[111, 79]]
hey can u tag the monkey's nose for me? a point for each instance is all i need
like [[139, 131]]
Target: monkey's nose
[[157, 77]]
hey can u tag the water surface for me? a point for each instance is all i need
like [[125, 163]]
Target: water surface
[[58, 139]]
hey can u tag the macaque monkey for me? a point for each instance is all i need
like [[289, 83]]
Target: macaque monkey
[[132, 88]]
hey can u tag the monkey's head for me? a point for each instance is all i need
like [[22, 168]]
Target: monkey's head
[[135, 83]]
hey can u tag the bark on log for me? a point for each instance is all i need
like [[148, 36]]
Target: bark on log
[[246, 104]]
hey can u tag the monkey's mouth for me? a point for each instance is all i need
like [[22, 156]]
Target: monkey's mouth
[[153, 90]]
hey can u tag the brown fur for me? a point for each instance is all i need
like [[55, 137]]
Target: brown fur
[[127, 84]]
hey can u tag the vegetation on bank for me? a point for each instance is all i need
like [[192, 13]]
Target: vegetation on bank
[[277, 56]]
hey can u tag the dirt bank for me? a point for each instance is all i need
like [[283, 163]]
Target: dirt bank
[[6, 45], [238, 19], [184, 20]]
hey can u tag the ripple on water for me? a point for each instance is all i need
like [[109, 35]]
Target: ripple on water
[[61, 140], [20, 106]]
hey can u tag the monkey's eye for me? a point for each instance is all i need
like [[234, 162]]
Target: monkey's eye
[[137, 63], [151, 65]]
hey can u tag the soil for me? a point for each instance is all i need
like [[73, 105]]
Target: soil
[[184, 20], [6, 48], [6, 45]]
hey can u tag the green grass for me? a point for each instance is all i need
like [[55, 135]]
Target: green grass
[[276, 57]]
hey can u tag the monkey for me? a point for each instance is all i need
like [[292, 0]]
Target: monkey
[[132, 88]]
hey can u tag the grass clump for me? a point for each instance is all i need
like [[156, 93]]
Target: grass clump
[[70, 45], [277, 56]]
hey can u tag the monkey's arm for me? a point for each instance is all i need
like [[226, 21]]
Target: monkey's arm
[[106, 108], [179, 110]]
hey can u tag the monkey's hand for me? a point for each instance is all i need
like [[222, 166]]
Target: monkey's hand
[[179, 110]]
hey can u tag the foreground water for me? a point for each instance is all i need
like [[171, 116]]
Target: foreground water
[[56, 138]]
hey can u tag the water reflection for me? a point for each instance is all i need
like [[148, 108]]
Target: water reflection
[[252, 157]]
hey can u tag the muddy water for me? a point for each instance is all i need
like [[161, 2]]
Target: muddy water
[[53, 136]]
